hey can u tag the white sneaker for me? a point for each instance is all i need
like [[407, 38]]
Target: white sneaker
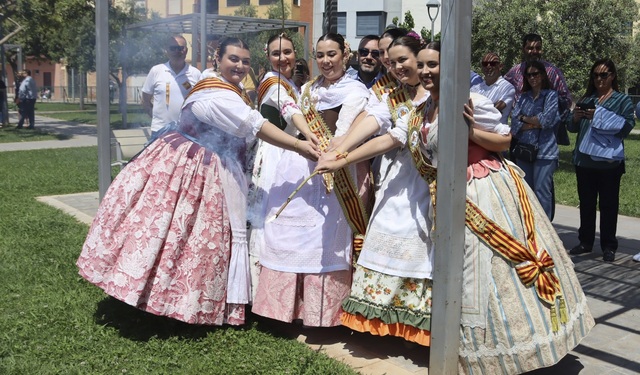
[[636, 258]]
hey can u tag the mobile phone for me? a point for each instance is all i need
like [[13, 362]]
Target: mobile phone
[[299, 69], [585, 106]]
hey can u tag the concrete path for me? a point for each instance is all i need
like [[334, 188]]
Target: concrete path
[[612, 348]]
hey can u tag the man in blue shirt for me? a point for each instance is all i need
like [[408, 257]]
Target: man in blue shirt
[[369, 65], [27, 94]]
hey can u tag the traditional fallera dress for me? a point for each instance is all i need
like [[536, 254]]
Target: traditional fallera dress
[[522, 305], [391, 288], [306, 262], [170, 234], [277, 98]]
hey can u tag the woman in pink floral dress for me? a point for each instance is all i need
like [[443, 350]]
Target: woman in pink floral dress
[[169, 236]]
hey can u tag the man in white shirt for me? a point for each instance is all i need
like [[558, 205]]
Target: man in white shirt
[[495, 87], [168, 84]]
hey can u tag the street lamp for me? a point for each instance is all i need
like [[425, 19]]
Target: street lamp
[[435, 5]]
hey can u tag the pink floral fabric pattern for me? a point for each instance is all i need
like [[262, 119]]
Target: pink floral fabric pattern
[[161, 239]]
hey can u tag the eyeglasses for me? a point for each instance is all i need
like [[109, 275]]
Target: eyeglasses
[[532, 74], [603, 75], [364, 52], [176, 48], [490, 63]]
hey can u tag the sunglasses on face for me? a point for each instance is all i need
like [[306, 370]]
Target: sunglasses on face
[[364, 52], [490, 63], [532, 74], [603, 75], [176, 48]]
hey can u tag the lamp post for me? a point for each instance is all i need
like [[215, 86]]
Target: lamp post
[[433, 5]]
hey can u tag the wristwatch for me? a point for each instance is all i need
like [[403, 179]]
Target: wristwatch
[[521, 118]]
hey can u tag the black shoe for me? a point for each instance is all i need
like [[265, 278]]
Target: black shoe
[[19, 127], [609, 255], [30, 128], [581, 249]]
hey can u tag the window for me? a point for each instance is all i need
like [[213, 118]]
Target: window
[[267, 2], [212, 6], [341, 21], [296, 2], [370, 23], [237, 3], [174, 7]]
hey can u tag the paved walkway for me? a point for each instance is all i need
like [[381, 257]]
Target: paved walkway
[[612, 348]]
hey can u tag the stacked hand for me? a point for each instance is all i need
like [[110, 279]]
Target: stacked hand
[[330, 162], [308, 149]]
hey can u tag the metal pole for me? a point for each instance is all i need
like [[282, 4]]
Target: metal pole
[[102, 83], [203, 35], [433, 21], [4, 107], [455, 64]]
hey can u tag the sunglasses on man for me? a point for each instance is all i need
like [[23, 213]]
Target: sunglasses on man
[[490, 63], [176, 48], [364, 52]]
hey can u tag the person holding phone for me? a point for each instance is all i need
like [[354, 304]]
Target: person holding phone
[[603, 117], [533, 124]]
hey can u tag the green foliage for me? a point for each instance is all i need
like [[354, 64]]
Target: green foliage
[[575, 33], [246, 10], [277, 12], [408, 23]]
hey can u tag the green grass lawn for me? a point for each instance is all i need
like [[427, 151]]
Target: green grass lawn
[[54, 322]]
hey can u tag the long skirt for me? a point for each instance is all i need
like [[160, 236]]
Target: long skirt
[[161, 239]]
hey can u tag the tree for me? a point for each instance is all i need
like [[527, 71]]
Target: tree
[[408, 23], [246, 10], [64, 30], [575, 33]]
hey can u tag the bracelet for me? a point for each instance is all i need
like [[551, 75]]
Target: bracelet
[[340, 155], [295, 145], [347, 160]]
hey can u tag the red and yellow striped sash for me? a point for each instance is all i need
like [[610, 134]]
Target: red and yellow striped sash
[[216, 83], [533, 264], [347, 192], [383, 85], [274, 80]]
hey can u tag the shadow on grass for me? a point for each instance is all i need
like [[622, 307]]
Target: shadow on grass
[[138, 325]]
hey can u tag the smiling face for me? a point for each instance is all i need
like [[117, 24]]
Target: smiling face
[[491, 67], [404, 64], [234, 64], [383, 44], [603, 78], [282, 56], [329, 58], [429, 66], [532, 50], [369, 63]]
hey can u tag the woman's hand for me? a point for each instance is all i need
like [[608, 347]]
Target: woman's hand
[[335, 142], [329, 162], [310, 136], [308, 150], [588, 113], [468, 115], [579, 114]]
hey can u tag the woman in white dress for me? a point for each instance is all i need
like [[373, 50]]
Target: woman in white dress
[[391, 290], [169, 236], [305, 264], [277, 100], [522, 305]]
